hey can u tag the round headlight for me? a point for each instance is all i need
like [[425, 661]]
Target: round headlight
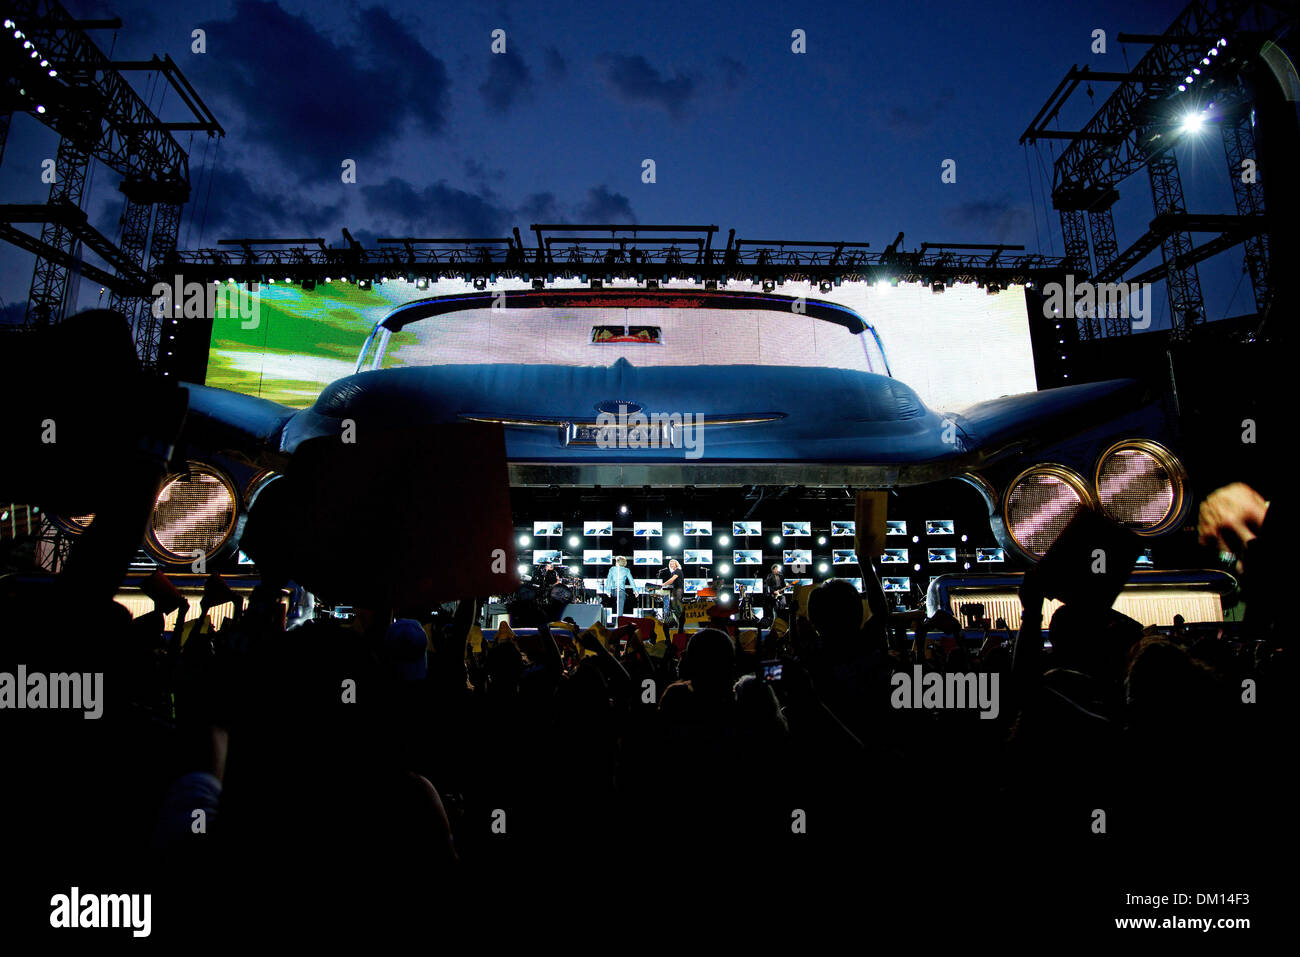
[[1040, 503], [194, 513], [1141, 485]]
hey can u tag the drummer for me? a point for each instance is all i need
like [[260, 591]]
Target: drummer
[[618, 583]]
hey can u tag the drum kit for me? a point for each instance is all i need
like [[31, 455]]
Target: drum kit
[[532, 598]]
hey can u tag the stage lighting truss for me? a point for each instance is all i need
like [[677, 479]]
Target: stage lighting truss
[[195, 515], [1141, 485]]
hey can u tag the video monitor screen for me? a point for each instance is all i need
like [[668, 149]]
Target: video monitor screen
[[843, 556], [894, 556], [647, 586], [751, 585], [1146, 559], [697, 556], [939, 556], [747, 556], [697, 528], [593, 584], [796, 528], [746, 528], [986, 556], [647, 529], [798, 581], [552, 555], [935, 526], [843, 529], [855, 582], [302, 340], [895, 527], [797, 556], [598, 529], [895, 584], [597, 556], [693, 585], [648, 556], [548, 528]]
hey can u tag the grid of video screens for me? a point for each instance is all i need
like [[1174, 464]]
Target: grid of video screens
[[738, 553]]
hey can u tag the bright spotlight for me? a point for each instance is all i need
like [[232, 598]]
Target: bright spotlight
[[776, 539], [573, 570], [724, 569], [622, 509], [822, 568], [674, 541], [524, 540], [724, 541], [821, 539], [1193, 122], [573, 541], [523, 570]]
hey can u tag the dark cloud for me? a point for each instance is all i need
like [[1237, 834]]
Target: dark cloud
[[314, 99], [998, 220], [557, 68], [239, 207], [508, 81], [733, 71], [440, 209], [437, 209], [602, 206], [481, 173], [635, 81], [916, 117], [540, 208]]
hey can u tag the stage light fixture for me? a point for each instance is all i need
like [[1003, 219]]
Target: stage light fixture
[[724, 569], [776, 539], [1193, 122], [768, 285], [622, 509], [364, 285], [821, 539], [422, 282], [480, 283], [309, 284], [824, 286], [1182, 88], [937, 286], [574, 570], [522, 569], [524, 540], [674, 540], [724, 541]]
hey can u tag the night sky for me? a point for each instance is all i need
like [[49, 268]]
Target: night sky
[[844, 142]]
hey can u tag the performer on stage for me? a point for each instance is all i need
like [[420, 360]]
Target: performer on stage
[[618, 583], [774, 585], [675, 581]]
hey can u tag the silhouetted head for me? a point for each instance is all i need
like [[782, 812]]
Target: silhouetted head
[[709, 662], [835, 609]]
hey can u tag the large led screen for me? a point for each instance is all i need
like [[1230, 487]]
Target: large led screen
[[954, 349]]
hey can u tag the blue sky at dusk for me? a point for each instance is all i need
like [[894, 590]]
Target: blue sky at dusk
[[844, 142]]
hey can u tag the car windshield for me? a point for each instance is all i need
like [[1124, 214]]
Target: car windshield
[[644, 335]]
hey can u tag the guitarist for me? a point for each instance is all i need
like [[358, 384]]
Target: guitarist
[[774, 585]]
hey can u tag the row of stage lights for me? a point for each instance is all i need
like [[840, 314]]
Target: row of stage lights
[[32, 53], [768, 285]]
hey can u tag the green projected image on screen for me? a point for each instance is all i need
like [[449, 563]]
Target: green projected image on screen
[[297, 342]]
